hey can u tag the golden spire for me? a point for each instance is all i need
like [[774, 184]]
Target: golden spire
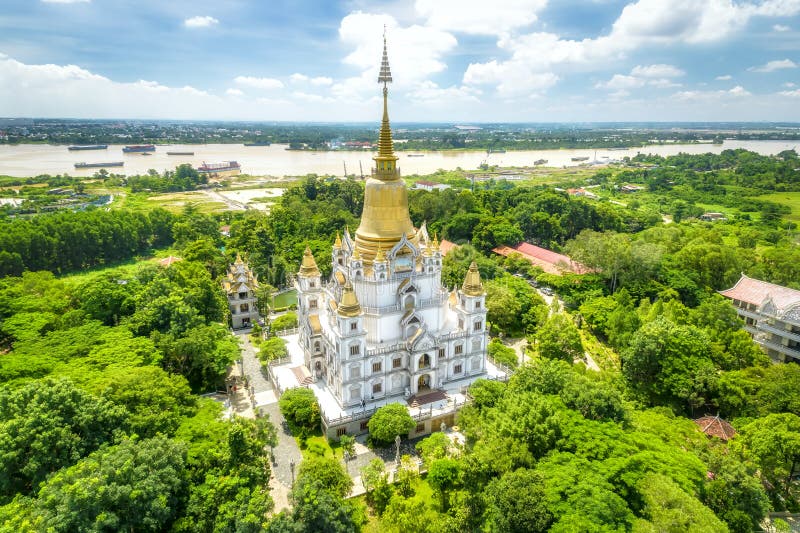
[[435, 242], [385, 218], [380, 256], [349, 305], [338, 242], [238, 259], [308, 267], [472, 281]]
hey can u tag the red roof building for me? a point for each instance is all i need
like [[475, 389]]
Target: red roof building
[[168, 261], [446, 247], [714, 426], [548, 260], [771, 314]]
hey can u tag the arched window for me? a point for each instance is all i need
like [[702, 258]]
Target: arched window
[[424, 361]]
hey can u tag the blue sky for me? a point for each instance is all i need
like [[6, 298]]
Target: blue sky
[[453, 60]]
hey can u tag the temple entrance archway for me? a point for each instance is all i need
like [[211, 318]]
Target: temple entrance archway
[[424, 383]]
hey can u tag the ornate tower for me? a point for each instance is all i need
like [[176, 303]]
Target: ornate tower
[[385, 219]]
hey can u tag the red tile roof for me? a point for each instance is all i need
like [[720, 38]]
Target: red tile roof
[[714, 426], [446, 246], [548, 260], [167, 261], [755, 291]]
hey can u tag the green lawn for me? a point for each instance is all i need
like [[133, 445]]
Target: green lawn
[[790, 199]]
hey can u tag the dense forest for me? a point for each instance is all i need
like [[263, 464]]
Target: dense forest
[[102, 428]]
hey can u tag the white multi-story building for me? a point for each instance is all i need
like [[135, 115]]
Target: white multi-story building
[[383, 326], [771, 314]]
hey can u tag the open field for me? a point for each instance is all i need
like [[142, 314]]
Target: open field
[[789, 199]]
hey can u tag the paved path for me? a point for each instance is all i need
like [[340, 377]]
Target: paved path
[[287, 450]]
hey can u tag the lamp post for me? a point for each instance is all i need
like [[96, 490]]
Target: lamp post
[[397, 448]]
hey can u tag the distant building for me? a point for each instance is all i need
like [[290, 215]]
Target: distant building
[[712, 217], [771, 314], [430, 186], [548, 260], [447, 246], [225, 231], [240, 287], [631, 188], [581, 192]]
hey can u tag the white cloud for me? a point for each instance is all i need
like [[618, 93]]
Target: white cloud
[[780, 28], [258, 83], [429, 92], [657, 71], [200, 22], [621, 81], [640, 24], [477, 17], [789, 84], [736, 92], [234, 92], [725, 77], [414, 51], [772, 66], [302, 78], [307, 97], [791, 94]]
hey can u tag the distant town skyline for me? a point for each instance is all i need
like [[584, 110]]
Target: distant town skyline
[[453, 61]]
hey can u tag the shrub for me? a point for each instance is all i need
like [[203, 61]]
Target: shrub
[[300, 408], [388, 422]]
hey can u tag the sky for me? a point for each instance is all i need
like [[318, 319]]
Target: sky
[[463, 61]]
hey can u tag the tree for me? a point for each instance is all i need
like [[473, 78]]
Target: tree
[[285, 321], [47, 425], [300, 407], [437, 446], [668, 508], [515, 503], [131, 486], [406, 476], [485, 393], [272, 349], [773, 443], [444, 476], [326, 473], [390, 421], [559, 339]]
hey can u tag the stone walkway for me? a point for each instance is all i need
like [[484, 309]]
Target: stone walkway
[[287, 450]]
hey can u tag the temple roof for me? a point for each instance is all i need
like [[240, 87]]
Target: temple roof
[[349, 306], [308, 267], [472, 281], [714, 426], [756, 292]]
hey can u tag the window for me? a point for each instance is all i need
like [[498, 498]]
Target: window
[[355, 372], [460, 323], [377, 387], [364, 425], [441, 353], [341, 431], [353, 326], [478, 325], [459, 349], [312, 304], [376, 367], [242, 295], [478, 305], [355, 349], [420, 427], [397, 363], [457, 369], [312, 284], [244, 308]]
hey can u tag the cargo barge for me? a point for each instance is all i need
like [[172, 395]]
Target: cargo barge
[[258, 143], [139, 148], [87, 147], [224, 166], [180, 153], [99, 165]]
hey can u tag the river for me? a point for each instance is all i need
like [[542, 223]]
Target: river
[[34, 159]]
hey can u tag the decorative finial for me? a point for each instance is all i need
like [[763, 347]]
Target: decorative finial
[[472, 281], [308, 267], [385, 75], [338, 242], [380, 256], [349, 306]]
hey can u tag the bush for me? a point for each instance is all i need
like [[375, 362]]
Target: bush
[[300, 408], [388, 422], [502, 354], [287, 321], [272, 349]]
